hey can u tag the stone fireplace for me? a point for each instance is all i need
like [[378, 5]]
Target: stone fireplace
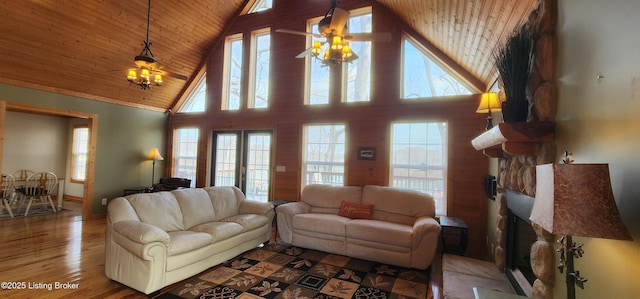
[[516, 172]]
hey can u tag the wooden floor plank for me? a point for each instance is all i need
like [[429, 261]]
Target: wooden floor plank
[[59, 248]]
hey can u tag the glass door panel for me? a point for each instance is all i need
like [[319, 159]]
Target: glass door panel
[[226, 159], [243, 159]]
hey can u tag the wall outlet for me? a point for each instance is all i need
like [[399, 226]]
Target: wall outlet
[[104, 201]]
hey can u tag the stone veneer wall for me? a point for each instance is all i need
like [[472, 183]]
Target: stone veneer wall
[[519, 172]]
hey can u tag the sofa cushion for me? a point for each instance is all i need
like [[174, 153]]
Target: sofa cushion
[[219, 230], [248, 221], [321, 223], [355, 211], [160, 209], [380, 231], [398, 205], [185, 241], [327, 198], [195, 205], [225, 199]]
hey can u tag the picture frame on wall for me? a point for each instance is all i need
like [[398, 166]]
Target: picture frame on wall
[[366, 153]]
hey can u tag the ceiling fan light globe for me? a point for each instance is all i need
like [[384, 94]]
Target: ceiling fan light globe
[[157, 79], [336, 43]]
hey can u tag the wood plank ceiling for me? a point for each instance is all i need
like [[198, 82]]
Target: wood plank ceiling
[[84, 48]]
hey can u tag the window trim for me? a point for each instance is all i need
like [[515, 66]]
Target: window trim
[[303, 161], [174, 157], [74, 158], [446, 159], [226, 70], [308, 64], [404, 36], [253, 64], [191, 94]]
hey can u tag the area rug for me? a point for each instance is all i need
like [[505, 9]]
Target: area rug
[[281, 271], [4, 215]]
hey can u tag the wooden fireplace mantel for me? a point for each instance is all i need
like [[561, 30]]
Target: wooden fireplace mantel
[[521, 138]]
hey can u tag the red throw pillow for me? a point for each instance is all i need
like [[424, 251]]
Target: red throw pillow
[[355, 211]]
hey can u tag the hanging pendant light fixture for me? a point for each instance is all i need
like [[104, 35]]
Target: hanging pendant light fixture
[[148, 71]]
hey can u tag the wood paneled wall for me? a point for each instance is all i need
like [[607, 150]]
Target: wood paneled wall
[[368, 124]]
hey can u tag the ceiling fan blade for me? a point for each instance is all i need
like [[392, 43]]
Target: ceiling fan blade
[[174, 75], [374, 37], [298, 32], [304, 53], [339, 18]]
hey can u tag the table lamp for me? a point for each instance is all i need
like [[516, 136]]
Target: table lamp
[[154, 155], [489, 103], [576, 200]]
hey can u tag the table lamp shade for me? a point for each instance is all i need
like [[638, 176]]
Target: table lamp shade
[[577, 200], [154, 154], [489, 102]]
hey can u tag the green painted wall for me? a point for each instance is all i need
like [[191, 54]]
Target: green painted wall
[[125, 136]]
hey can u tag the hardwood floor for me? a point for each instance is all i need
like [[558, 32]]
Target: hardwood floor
[[42, 251]]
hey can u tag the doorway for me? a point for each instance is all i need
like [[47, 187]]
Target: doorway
[[243, 159], [92, 124]]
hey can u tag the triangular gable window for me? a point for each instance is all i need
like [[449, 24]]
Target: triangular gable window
[[196, 101], [260, 5], [424, 78]]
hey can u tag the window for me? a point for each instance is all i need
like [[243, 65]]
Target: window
[[196, 100], [317, 75], [186, 154], [259, 91], [261, 5], [79, 152], [232, 73], [323, 154], [419, 159], [357, 74], [423, 77]]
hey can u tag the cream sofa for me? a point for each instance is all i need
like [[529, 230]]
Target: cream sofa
[[402, 230], [156, 239]]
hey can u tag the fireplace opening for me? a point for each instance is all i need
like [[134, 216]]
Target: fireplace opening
[[520, 236]]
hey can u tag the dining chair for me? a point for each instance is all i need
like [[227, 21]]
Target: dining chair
[[38, 188], [22, 174], [7, 182]]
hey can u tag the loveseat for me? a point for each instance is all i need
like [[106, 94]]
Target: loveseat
[[156, 239], [376, 223]]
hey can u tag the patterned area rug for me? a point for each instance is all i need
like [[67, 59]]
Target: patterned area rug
[[4, 215], [281, 271]]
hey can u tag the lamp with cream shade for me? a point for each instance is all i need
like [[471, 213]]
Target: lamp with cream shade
[[489, 103], [154, 155], [576, 200]]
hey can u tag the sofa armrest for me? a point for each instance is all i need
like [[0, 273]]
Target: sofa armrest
[[426, 235], [255, 207], [140, 232], [285, 213]]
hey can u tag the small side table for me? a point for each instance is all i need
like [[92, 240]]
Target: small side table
[[275, 204], [454, 235], [134, 190]]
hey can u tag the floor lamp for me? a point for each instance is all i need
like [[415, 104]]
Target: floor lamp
[[576, 200], [154, 155]]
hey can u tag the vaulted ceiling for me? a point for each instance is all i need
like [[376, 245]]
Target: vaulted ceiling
[[84, 48]]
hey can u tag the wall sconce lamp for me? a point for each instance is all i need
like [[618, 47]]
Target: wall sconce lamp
[[154, 155], [489, 103], [576, 200]]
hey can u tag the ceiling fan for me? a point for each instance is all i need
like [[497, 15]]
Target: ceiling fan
[[148, 70], [336, 47]]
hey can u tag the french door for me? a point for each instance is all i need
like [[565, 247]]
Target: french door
[[243, 159]]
